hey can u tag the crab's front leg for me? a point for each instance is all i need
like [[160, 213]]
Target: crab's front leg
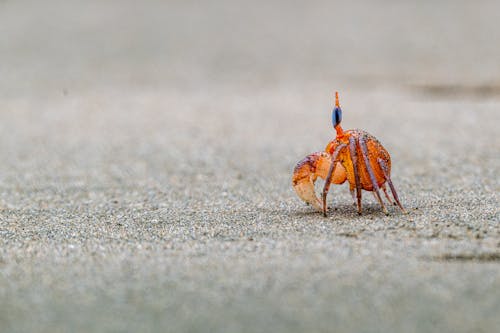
[[334, 165], [308, 170]]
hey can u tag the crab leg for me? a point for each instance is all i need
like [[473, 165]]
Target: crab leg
[[328, 179], [353, 194], [389, 200], [364, 153], [354, 158], [392, 202], [385, 169]]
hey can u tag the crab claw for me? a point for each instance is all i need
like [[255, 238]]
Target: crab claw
[[308, 170], [304, 176]]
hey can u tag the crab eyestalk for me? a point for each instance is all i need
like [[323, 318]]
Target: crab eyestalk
[[337, 116]]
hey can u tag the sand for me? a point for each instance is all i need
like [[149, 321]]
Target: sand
[[147, 152]]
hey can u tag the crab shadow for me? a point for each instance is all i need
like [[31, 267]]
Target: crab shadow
[[345, 210]]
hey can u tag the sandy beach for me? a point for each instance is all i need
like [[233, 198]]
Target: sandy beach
[[147, 153]]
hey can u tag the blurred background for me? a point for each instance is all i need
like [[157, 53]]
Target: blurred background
[[147, 150], [193, 45]]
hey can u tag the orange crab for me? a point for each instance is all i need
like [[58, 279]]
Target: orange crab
[[355, 156]]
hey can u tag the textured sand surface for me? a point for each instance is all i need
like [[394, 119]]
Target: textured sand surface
[[147, 153]]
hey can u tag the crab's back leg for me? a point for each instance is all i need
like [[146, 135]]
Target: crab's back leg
[[366, 158], [385, 169], [355, 165], [328, 180], [387, 195]]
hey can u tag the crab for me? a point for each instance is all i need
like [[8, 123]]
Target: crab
[[354, 155]]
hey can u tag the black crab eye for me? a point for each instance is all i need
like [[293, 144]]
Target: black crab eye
[[336, 116]]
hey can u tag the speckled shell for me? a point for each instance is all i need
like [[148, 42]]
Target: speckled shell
[[375, 152]]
